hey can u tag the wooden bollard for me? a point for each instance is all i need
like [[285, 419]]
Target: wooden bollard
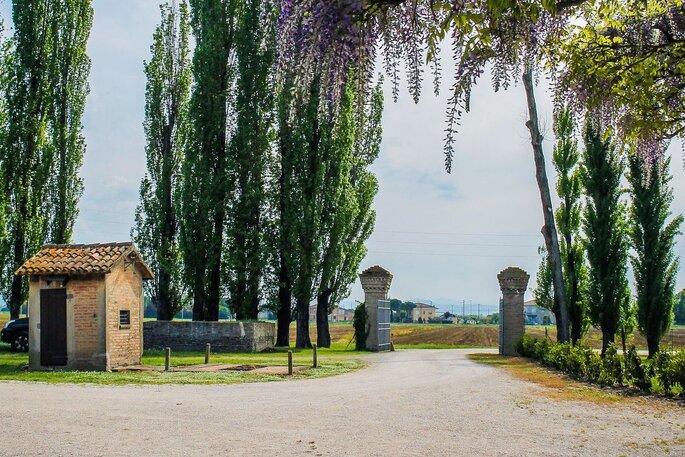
[[167, 358], [290, 363], [208, 349], [315, 362]]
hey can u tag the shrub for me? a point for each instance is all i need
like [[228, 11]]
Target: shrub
[[612, 367], [636, 374], [678, 371], [663, 373], [361, 326], [526, 346]]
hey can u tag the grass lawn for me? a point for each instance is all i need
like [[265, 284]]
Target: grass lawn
[[332, 362]]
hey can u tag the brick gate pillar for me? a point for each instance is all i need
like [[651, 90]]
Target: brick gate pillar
[[376, 284], [513, 282]]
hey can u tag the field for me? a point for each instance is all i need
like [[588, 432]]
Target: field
[[463, 336], [436, 336]]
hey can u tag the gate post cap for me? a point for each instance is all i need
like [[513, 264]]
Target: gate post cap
[[376, 277], [513, 280]]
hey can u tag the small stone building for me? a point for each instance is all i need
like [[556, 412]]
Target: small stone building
[[85, 306]]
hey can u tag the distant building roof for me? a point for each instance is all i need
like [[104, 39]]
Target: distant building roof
[[82, 259], [424, 305]]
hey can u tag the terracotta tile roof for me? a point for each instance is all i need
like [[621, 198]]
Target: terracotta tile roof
[[80, 259]]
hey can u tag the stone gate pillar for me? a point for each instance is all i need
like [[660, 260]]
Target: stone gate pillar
[[513, 281], [376, 284]]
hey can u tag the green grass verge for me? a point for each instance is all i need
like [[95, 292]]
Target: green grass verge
[[331, 362]]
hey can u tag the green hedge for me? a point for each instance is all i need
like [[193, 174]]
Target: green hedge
[[664, 373]]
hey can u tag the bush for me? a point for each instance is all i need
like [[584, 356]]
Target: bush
[[361, 326], [612, 367], [664, 373], [636, 374]]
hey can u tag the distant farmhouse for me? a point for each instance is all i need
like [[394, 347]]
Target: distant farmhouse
[[338, 315], [423, 312], [537, 315]]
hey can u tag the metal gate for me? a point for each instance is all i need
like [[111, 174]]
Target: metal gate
[[383, 315]]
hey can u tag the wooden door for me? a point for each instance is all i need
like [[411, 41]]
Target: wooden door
[[53, 327]]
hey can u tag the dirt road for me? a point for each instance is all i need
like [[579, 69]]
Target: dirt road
[[408, 403]]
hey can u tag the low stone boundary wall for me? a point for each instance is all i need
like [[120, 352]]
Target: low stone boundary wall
[[223, 336]]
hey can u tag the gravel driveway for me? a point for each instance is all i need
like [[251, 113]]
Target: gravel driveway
[[408, 403]]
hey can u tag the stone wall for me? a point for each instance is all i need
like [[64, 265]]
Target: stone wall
[[223, 336]]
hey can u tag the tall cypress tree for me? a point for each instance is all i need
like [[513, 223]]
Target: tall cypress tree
[[605, 232], [245, 255], [568, 218], [205, 168], [26, 157], [653, 238], [71, 21], [166, 105], [347, 217]]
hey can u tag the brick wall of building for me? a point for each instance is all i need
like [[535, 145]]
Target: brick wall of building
[[85, 296], [124, 292]]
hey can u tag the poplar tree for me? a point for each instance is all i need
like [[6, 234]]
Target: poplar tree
[[246, 218], [653, 238], [285, 148], [605, 230], [166, 105], [347, 217], [4, 78], [205, 168], [26, 155], [302, 144], [568, 217], [71, 22]]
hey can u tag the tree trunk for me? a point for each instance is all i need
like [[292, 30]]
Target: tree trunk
[[323, 334], [608, 337], [168, 228], [652, 345], [557, 314], [575, 316], [15, 292], [549, 230], [285, 298], [198, 302], [163, 308], [302, 339]]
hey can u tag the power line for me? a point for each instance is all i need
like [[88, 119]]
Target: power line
[[457, 244], [457, 255], [105, 221], [458, 234]]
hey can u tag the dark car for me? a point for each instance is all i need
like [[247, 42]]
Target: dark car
[[16, 333]]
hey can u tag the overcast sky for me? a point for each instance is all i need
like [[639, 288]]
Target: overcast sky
[[443, 236]]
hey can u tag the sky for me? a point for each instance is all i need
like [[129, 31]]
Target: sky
[[443, 236]]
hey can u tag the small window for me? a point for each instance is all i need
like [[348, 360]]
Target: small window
[[124, 318]]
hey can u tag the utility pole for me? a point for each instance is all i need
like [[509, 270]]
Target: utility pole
[[463, 311]]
